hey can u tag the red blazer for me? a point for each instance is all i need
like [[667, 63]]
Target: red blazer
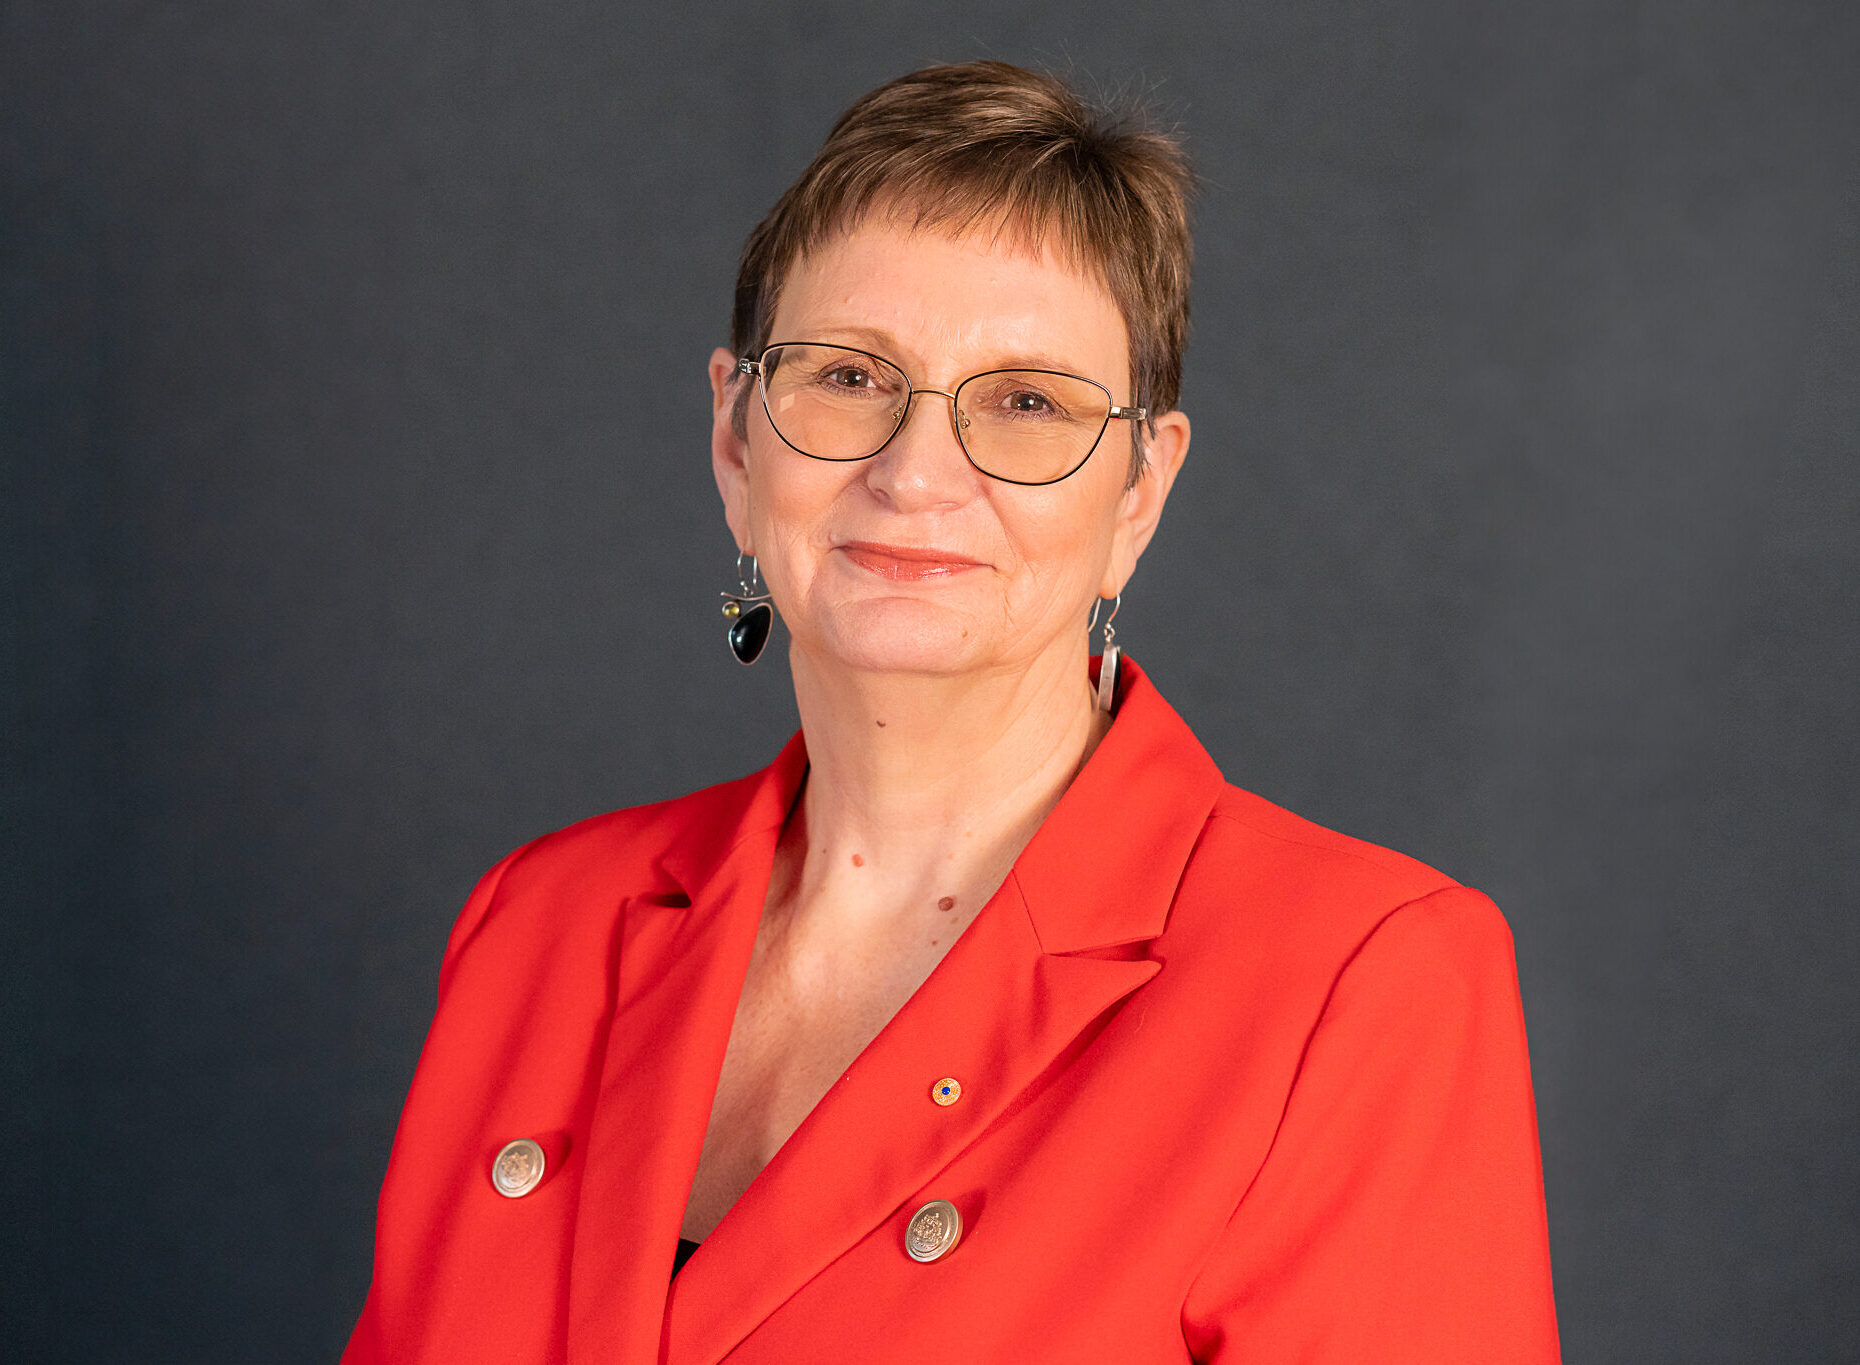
[[1233, 1087]]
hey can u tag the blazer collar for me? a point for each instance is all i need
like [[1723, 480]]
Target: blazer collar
[[731, 814], [1103, 867]]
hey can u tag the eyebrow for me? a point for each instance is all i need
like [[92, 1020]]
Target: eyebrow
[[883, 344]]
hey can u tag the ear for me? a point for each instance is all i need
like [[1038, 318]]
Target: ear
[[1142, 505], [729, 453]]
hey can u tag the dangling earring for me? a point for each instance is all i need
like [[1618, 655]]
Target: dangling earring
[[1107, 663], [750, 613]]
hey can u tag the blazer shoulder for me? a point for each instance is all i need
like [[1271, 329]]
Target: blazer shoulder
[[643, 835], [1275, 911], [601, 859], [1261, 876], [1254, 827]]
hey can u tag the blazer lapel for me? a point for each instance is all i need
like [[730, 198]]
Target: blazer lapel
[[1007, 1000], [877, 1137], [683, 955]]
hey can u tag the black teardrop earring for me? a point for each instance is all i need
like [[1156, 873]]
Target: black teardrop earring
[[751, 614], [1107, 662]]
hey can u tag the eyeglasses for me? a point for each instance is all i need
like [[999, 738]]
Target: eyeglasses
[[1020, 426]]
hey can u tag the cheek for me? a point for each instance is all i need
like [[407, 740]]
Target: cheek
[[1063, 540], [791, 502], [1050, 597]]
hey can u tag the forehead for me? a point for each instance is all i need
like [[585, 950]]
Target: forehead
[[963, 298]]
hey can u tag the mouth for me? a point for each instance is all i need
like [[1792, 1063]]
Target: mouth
[[905, 564]]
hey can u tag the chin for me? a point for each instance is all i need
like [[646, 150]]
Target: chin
[[899, 636]]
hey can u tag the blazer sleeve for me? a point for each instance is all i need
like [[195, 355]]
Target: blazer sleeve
[[1399, 1214], [396, 1292]]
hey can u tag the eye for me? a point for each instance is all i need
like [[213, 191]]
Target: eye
[[850, 377], [1027, 401]]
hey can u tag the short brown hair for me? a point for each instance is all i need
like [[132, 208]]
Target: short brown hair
[[985, 143]]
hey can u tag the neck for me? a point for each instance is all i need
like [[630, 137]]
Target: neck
[[926, 783]]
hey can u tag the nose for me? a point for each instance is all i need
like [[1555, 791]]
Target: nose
[[918, 467]]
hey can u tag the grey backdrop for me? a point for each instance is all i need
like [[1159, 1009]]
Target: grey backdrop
[[359, 527]]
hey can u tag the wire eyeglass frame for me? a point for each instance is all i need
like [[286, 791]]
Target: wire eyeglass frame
[[756, 366]]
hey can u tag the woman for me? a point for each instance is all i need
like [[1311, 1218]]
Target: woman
[[988, 1019]]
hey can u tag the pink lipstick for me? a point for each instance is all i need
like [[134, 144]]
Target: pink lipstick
[[904, 564]]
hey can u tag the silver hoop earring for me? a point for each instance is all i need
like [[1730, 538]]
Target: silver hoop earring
[[750, 612], [1107, 663]]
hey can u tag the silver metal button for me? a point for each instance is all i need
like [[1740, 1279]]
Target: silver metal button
[[518, 1168], [933, 1231]]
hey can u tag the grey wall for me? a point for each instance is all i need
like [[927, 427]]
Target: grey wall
[[359, 527]]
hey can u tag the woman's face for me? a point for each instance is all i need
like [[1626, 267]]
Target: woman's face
[[914, 561]]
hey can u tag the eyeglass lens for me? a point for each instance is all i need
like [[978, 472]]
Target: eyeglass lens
[[1025, 426]]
